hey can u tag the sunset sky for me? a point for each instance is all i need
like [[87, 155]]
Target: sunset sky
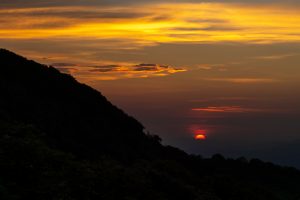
[[227, 70]]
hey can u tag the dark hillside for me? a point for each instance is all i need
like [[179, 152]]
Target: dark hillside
[[62, 140], [74, 116]]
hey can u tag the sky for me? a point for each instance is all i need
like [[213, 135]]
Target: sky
[[227, 70]]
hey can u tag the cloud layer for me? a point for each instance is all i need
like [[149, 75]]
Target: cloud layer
[[150, 24]]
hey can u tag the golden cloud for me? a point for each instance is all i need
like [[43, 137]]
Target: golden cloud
[[145, 24], [117, 71]]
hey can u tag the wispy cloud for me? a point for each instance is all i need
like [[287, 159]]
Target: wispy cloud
[[243, 80], [276, 57], [63, 64], [229, 109], [117, 71]]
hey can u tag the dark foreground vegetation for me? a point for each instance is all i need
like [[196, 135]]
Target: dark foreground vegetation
[[62, 140]]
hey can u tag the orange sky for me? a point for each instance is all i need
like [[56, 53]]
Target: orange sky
[[230, 69]]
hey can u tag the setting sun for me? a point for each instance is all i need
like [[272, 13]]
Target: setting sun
[[200, 137], [200, 134]]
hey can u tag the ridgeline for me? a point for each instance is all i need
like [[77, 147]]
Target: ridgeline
[[63, 140]]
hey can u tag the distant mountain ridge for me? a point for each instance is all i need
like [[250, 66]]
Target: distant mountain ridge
[[63, 140]]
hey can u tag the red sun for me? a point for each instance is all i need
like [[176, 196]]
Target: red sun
[[200, 134]]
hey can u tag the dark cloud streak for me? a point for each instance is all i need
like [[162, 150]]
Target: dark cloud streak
[[52, 3]]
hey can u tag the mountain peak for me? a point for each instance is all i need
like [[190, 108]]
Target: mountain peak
[[6, 55], [4, 51]]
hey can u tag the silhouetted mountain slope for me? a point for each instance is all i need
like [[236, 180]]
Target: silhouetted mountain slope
[[74, 116], [60, 139]]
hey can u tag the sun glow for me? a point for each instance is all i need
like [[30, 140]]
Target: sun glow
[[200, 137], [200, 134]]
